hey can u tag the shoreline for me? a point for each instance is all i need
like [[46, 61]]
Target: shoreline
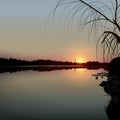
[[42, 68]]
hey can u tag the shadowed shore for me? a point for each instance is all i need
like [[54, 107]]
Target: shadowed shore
[[112, 88], [14, 65]]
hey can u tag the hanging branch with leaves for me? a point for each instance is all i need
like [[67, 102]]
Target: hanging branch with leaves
[[104, 15]]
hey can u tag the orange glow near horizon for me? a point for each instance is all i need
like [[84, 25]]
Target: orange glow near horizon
[[80, 60], [80, 70]]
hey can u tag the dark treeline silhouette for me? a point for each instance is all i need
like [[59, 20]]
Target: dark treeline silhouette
[[14, 62], [51, 62], [96, 65], [14, 65]]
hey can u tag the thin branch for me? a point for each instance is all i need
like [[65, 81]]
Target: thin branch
[[114, 34], [97, 11], [116, 8]]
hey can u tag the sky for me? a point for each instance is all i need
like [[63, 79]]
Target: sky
[[28, 32]]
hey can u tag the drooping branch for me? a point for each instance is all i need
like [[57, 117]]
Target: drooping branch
[[114, 34], [98, 19], [116, 9], [114, 21], [97, 11]]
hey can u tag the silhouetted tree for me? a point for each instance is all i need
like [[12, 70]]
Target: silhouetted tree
[[102, 17]]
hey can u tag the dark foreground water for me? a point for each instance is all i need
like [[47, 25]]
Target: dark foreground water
[[56, 95]]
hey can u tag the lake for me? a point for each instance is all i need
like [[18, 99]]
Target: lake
[[58, 95]]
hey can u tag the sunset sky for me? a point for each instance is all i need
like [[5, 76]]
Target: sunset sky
[[25, 33]]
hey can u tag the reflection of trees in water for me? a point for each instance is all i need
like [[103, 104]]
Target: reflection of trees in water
[[46, 68]]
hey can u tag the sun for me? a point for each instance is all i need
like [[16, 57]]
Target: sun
[[80, 60]]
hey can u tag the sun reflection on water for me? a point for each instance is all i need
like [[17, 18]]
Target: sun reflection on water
[[80, 77], [80, 70]]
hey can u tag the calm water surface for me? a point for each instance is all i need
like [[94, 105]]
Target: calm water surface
[[57, 95]]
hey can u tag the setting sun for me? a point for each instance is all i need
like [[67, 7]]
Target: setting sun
[[79, 60]]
